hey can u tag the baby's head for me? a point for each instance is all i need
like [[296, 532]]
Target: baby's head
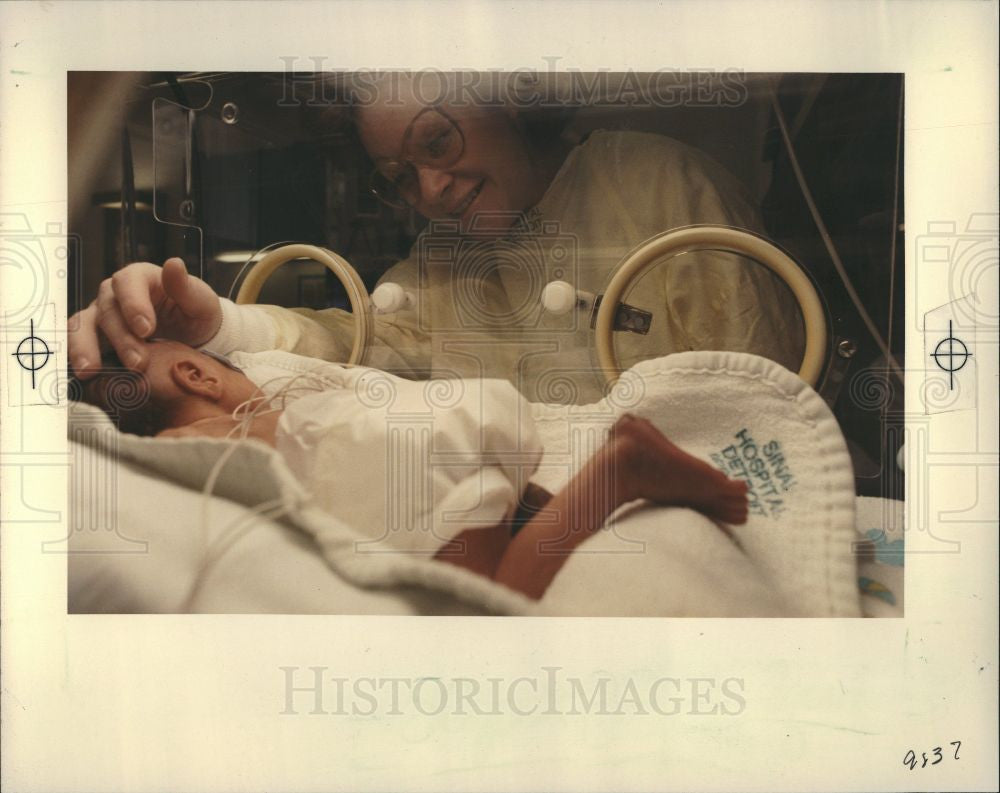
[[179, 385]]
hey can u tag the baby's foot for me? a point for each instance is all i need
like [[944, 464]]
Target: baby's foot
[[650, 466]]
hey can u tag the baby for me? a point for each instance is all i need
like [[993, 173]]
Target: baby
[[185, 392]]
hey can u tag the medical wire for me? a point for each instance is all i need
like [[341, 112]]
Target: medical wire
[[273, 509], [269, 509], [828, 241]]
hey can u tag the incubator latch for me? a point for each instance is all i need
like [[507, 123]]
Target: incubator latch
[[627, 317], [559, 297]]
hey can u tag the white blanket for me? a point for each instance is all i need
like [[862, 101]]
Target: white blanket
[[409, 465], [744, 413]]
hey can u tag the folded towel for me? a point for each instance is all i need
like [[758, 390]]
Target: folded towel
[[757, 422]]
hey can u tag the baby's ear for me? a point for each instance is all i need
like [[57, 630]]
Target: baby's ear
[[196, 379]]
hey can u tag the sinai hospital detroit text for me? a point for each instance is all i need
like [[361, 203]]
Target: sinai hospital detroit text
[[316, 691]]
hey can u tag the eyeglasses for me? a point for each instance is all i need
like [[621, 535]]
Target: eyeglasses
[[432, 140]]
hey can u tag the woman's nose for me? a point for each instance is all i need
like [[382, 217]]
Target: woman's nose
[[433, 183]]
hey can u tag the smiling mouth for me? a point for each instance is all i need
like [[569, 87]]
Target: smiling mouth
[[463, 207]]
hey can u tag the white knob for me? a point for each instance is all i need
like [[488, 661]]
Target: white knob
[[559, 297], [390, 297]]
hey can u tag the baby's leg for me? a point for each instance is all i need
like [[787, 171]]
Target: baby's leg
[[636, 462], [652, 467]]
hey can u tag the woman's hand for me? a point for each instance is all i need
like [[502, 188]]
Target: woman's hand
[[137, 302]]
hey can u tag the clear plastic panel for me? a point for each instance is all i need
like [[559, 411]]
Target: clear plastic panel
[[229, 172], [711, 300], [174, 169], [206, 165]]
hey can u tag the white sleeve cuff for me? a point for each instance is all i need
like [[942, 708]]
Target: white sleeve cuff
[[244, 328]]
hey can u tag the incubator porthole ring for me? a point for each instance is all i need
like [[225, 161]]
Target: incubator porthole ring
[[347, 275], [715, 238]]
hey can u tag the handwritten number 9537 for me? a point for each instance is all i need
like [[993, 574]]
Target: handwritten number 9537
[[924, 760]]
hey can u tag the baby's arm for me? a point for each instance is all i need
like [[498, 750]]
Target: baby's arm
[[481, 550], [478, 550], [537, 553]]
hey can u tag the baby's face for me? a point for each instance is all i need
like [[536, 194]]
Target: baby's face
[[133, 397]]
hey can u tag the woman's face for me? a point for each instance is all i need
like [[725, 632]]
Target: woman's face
[[494, 171]]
